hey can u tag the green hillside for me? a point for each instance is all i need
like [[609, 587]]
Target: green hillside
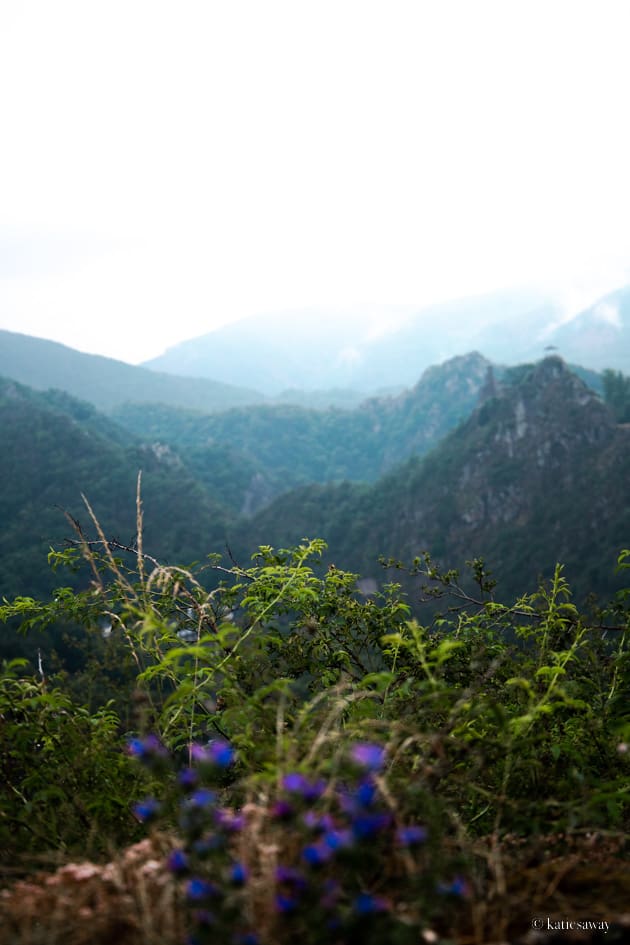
[[53, 449], [265, 450], [537, 474], [105, 382]]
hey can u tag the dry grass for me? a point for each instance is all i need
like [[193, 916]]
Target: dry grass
[[133, 900], [130, 901]]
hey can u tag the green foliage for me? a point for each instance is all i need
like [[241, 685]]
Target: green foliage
[[65, 783], [617, 394], [500, 717], [286, 445]]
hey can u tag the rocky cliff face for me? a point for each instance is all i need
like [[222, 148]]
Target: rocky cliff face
[[536, 475], [528, 432]]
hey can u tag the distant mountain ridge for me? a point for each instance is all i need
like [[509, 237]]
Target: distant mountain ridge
[[384, 346], [599, 336], [364, 348], [283, 446], [106, 382]]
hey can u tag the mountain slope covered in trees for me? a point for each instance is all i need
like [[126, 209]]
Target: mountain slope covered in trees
[[537, 474], [279, 447], [106, 382], [54, 449]]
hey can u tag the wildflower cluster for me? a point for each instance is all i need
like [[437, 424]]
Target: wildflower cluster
[[325, 859]]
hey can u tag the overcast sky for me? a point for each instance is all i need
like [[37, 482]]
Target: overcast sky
[[167, 167]]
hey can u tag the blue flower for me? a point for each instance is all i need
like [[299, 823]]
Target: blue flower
[[411, 836], [147, 750], [368, 755], [337, 839], [316, 854], [198, 890], [246, 938], [238, 874], [365, 904], [294, 782], [368, 825], [147, 810], [459, 887], [188, 778], [222, 753], [366, 793], [202, 798], [217, 753], [285, 904], [177, 861], [297, 783]]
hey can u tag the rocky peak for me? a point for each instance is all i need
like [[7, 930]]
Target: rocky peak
[[548, 404]]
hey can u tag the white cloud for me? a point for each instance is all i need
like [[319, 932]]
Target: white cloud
[[247, 157], [609, 313]]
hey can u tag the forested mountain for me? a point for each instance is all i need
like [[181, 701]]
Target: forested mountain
[[269, 449], [105, 382], [53, 449], [537, 474]]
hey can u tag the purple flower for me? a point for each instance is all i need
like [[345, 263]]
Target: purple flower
[[316, 854], [365, 904], [411, 836], [147, 750], [296, 783], [199, 889], [282, 810], [188, 778], [204, 918], [366, 826], [222, 753], [229, 821], [147, 810], [318, 823], [368, 755], [285, 904], [366, 793], [217, 753], [238, 874], [202, 798], [337, 839], [177, 861]]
